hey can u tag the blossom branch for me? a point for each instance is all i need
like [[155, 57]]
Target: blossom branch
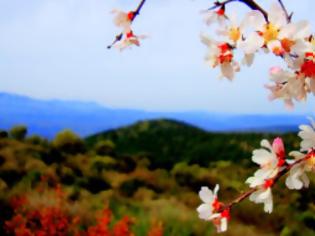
[[240, 198], [283, 172], [271, 158], [135, 13]]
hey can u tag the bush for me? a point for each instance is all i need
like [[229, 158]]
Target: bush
[[68, 142], [37, 140], [99, 164], [105, 147]]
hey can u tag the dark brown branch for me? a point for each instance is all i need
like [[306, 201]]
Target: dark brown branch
[[135, 14], [117, 39], [137, 11], [250, 3]]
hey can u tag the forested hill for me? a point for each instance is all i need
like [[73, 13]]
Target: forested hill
[[166, 142]]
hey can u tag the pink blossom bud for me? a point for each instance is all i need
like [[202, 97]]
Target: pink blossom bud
[[278, 148]]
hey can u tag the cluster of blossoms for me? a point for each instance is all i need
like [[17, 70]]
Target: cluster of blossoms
[[272, 33], [273, 164], [269, 32], [127, 38]]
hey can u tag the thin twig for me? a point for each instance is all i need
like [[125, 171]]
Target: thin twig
[[250, 3], [287, 15], [135, 14], [117, 39]]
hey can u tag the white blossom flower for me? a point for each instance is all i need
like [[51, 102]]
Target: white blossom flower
[[264, 195], [123, 19], [288, 86], [292, 37], [209, 210], [221, 54], [266, 33], [128, 40], [270, 158], [297, 177], [221, 221], [232, 32], [217, 16], [307, 134], [251, 44]]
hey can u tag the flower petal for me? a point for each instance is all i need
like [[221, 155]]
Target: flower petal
[[206, 195], [227, 71], [276, 15], [252, 43], [254, 19], [205, 211]]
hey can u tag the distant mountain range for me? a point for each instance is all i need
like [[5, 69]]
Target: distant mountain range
[[47, 117]]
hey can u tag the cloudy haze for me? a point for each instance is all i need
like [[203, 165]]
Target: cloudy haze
[[57, 49]]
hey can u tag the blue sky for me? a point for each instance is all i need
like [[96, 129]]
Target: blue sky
[[57, 49]]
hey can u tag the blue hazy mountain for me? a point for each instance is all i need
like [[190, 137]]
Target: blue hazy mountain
[[47, 117]]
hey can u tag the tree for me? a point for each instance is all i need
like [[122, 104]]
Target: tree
[[273, 32], [18, 132]]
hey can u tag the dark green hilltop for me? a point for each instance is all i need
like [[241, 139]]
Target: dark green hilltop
[[167, 142]]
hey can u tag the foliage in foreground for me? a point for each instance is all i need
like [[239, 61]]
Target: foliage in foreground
[[100, 175]]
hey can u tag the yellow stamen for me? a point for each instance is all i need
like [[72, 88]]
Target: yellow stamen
[[271, 33], [234, 34]]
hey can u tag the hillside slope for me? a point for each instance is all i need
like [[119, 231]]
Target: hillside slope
[[166, 142]]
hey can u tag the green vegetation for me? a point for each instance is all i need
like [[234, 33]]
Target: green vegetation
[[152, 172]]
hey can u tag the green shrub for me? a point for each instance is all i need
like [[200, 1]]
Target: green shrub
[[68, 142]]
